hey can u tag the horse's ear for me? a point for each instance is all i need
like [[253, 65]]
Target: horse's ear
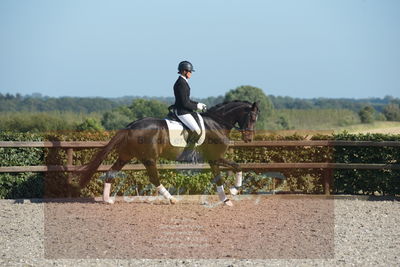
[[254, 107]]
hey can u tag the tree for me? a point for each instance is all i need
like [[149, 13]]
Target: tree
[[90, 124], [392, 112], [253, 94], [139, 109], [283, 123], [211, 101], [114, 120], [142, 108], [367, 114]]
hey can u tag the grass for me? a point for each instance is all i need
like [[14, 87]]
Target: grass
[[313, 119], [25, 121], [324, 121], [385, 127]]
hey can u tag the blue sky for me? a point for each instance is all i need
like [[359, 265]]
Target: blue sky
[[331, 48]]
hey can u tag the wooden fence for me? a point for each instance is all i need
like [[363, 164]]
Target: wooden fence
[[328, 167]]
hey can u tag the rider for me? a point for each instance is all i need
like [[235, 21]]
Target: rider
[[185, 107]]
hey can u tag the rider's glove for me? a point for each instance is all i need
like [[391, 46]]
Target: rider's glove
[[201, 106]]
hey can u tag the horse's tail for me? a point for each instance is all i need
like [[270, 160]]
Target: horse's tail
[[91, 168]]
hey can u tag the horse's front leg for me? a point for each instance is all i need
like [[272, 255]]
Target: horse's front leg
[[152, 171], [218, 180], [238, 174]]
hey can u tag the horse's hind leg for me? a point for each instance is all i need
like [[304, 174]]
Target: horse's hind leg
[[110, 175], [152, 171]]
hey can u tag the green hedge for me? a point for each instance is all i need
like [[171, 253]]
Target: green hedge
[[367, 181], [28, 185]]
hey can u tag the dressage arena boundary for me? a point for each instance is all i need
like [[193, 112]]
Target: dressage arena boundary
[[328, 167]]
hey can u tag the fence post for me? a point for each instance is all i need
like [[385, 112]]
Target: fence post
[[327, 180], [70, 161], [231, 151]]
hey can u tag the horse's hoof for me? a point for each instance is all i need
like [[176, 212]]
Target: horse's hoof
[[228, 203], [109, 201], [173, 200], [234, 191]]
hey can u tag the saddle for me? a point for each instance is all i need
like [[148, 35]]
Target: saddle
[[178, 132]]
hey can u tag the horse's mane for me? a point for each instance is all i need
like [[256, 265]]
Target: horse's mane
[[225, 103], [218, 111]]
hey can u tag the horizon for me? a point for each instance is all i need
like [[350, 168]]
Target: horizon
[[40, 95]]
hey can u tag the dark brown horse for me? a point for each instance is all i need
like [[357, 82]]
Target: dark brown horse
[[148, 140]]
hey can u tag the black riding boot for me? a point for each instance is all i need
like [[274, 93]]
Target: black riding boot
[[190, 155]]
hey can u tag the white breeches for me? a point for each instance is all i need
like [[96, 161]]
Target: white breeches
[[190, 122]]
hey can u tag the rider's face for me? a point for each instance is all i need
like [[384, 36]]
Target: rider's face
[[188, 74]]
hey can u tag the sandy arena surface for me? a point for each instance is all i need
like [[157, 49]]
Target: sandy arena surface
[[258, 230]]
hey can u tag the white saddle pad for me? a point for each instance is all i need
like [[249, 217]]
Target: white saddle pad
[[178, 134]]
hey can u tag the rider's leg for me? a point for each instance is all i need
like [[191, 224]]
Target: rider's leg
[[190, 122], [192, 139], [194, 135]]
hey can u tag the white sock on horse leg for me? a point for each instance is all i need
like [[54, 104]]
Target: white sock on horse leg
[[238, 183], [239, 179], [163, 191], [221, 193], [106, 193]]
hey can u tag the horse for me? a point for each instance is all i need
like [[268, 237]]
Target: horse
[[147, 140]]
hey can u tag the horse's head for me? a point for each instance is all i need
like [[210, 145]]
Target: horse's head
[[241, 113], [247, 122]]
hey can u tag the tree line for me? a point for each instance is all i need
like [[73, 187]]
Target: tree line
[[41, 113], [38, 103]]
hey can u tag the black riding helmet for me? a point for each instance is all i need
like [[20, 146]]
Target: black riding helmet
[[185, 65]]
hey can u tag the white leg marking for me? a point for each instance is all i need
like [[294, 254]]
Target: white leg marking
[[164, 192], [239, 179], [238, 183], [106, 194], [222, 196]]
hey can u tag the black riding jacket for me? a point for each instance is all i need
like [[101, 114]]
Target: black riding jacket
[[183, 104]]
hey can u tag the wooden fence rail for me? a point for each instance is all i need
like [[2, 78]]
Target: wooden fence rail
[[326, 166]]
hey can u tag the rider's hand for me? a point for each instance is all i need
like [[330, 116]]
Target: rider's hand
[[201, 106]]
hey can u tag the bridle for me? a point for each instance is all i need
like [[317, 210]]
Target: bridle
[[245, 125]]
